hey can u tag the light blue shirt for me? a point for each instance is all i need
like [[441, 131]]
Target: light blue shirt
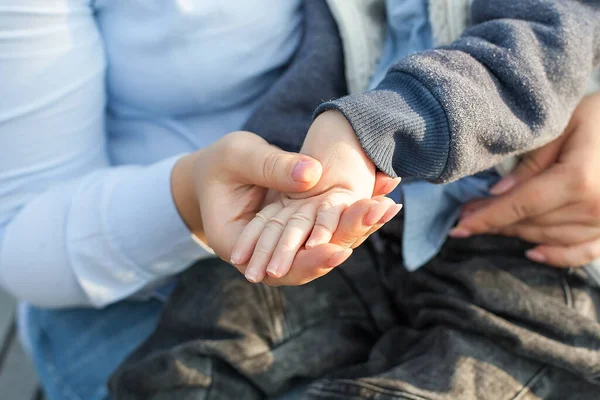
[[430, 210], [99, 100]]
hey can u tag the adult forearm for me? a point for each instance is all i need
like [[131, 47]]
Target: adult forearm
[[96, 239]]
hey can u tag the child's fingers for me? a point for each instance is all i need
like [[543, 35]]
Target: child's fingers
[[376, 212], [392, 211], [328, 218], [297, 230], [267, 243], [351, 226], [246, 242], [361, 219]]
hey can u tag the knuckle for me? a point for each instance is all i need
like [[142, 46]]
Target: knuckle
[[531, 165], [301, 218], [262, 250], [276, 223], [232, 141], [261, 216], [231, 146], [327, 206], [519, 210], [270, 165], [487, 224], [324, 225], [234, 137], [324, 215], [328, 219]]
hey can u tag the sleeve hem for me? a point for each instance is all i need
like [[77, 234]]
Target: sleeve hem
[[402, 127], [148, 226]]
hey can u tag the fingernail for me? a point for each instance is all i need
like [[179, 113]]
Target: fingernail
[[390, 214], [272, 269], [251, 276], [236, 258], [459, 233], [311, 243], [339, 258], [503, 186], [536, 256], [306, 171]]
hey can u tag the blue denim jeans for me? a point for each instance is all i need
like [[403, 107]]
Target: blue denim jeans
[[75, 350]]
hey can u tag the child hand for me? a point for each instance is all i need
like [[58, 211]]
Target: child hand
[[272, 239]]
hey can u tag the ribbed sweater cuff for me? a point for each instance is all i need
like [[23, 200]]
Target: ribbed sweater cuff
[[401, 126]]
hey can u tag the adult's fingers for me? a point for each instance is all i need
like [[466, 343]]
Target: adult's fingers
[[358, 219], [539, 195], [384, 184], [586, 214], [311, 264], [251, 160], [556, 235], [474, 205], [566, 256], [362, 219], [387, 217]]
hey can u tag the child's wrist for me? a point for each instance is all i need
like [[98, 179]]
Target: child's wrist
[[331, 138]]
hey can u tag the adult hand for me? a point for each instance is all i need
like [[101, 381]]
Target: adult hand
[[552, 198], [219, 189]]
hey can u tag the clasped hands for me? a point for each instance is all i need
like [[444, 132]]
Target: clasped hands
[[284, 218]]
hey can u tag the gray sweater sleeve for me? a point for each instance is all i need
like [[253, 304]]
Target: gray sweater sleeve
[[508, 85]]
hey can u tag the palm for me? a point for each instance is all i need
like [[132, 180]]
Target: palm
[[229, 210], [233, 175]]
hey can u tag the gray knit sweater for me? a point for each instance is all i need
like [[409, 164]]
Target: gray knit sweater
[[508, 85]]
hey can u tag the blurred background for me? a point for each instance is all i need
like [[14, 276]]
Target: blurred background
[[18, 380]]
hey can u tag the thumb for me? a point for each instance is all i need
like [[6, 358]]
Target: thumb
[[530, 165], [253, 161]]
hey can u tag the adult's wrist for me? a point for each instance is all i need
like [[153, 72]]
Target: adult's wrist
[[184, 182]]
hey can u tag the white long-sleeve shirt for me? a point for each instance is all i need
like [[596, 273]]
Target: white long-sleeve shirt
[[98, 99]]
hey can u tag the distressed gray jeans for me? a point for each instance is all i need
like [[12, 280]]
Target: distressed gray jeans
[[480, 321]]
